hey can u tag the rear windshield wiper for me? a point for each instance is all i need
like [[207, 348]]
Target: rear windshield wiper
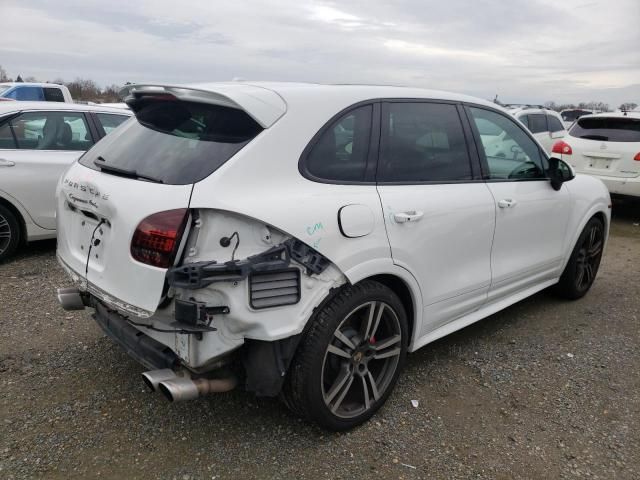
[[123, 172]]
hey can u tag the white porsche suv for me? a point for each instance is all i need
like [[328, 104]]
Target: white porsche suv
[[306, 237]]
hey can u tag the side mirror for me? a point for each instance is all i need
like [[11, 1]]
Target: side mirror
[[559, 172], [558, 134]]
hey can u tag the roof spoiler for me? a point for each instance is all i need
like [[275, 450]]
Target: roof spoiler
[[263, 105]]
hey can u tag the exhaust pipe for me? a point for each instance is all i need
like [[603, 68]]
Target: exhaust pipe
[[70, 299], [153, 378], [183, 388]]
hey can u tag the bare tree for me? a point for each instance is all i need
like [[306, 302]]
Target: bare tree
[[3, 75], [628, 106]]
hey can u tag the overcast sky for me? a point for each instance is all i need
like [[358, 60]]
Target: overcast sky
[[523, 50]]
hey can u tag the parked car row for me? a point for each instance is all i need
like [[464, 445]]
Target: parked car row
[[313, 235], [38, 142]]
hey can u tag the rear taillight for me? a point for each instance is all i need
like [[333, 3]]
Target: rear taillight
[[637, 157], [157, 237], [562, 147]]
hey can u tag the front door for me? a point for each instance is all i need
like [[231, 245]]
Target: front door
[[439, 216], [531, 216]]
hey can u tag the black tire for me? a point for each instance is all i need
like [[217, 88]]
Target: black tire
[[369, 373], [9, 233], [582, 268]]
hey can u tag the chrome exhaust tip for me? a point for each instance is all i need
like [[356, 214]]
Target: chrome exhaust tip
[[179, 389], [153, 378], [70, 299]]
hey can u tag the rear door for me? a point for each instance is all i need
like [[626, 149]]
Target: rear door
[[46, 143], [438, 213], [605, 146], [530, 216]]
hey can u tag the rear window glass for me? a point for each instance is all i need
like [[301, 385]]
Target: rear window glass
[[607, 129], [175, 142], [52, 94], [571, 115]]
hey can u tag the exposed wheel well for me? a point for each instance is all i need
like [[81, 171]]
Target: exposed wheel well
[[23, 226], [402, 290]]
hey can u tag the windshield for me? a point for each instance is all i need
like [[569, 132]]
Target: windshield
[[607, 129], [175, 142]]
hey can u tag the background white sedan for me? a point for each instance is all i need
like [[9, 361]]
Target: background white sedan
[[38, 141]]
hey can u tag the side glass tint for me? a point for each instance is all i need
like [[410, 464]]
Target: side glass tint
[[555, 125], [52, 131], [52, 94], [6, 137], [537, 123], [424, 142], [110, 121], [511, 155], [29, 94], [341, 152]]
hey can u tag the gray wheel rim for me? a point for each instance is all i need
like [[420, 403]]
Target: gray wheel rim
[[588, 259], [5, 234], [361, 359]]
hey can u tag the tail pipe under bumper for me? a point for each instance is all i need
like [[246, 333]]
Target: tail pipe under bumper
[[179, 388]]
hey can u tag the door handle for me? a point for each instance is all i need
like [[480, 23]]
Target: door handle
[[410, 216], [6, 163], [507, 203]]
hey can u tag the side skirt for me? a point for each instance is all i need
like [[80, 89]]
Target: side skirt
[[483, 312]]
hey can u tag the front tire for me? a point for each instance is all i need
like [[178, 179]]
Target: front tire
[[9, 233], [582, 268], [349, 359]]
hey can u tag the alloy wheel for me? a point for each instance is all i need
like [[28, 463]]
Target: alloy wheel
[[5, 234], [361, 359], [589, 255]]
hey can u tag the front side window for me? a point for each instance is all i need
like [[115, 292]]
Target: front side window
[[341, 152], [26, 94], [51, 131], [424, 142], [6, 137], [607, 129], [511, 155], [537, 123], [555, 125], [110, 121]]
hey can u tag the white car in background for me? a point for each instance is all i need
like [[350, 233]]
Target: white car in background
[[38, 142], [546, 125], [607, 146], [312, 235], [37, 92]]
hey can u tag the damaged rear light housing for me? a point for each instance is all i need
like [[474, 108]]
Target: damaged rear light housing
[[157, 238]]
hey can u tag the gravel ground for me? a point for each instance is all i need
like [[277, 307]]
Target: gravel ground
[[545, 389]]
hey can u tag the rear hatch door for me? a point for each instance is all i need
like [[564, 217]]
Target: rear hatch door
[[605, 145], [144, 170]]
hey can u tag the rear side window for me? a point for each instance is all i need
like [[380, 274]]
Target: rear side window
[[423, 142], [537, 123], [341, 152], [109, 121], [51, 131], [607, 129], [555, 125], [176, 142], [52, 94], [524, 119]]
